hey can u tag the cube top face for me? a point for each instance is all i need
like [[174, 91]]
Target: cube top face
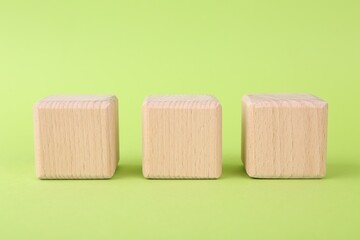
[[284, 136], [76, 136], [76, 101], [182, 137], [181, 101], [283, 100]]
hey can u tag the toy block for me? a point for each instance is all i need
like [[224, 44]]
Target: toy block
[[284, 135], [182, 137], [76, 136]]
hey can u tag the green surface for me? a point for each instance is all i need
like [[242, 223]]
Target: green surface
[[136, 48]]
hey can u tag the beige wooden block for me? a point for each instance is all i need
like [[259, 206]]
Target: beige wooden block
[[284, 135], [76, 136], [182, 137]]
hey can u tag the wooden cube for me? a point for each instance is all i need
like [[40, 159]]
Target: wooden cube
[[182, 137], [284, 135], [76, 136]]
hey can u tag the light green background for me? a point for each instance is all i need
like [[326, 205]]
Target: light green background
[[135, 48]]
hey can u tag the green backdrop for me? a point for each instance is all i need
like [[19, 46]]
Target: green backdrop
[[136, 48]]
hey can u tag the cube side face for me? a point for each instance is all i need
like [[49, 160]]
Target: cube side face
[[113, 126], [75, 140], [182, 142], [247, 142], [288, 142]]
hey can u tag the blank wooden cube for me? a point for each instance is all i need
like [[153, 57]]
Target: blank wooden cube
[[182, 137], [284, 136], [76, 136]]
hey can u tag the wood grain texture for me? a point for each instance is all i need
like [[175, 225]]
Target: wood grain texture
[[284, 135], [182, 137], [76, 136]]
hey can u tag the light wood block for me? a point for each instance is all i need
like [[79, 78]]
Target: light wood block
[[182, 137], [76, 136], [284, 135]]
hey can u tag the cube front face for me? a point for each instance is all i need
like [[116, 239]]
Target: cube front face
[[284, 136], [76, 137], [182, 137]]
